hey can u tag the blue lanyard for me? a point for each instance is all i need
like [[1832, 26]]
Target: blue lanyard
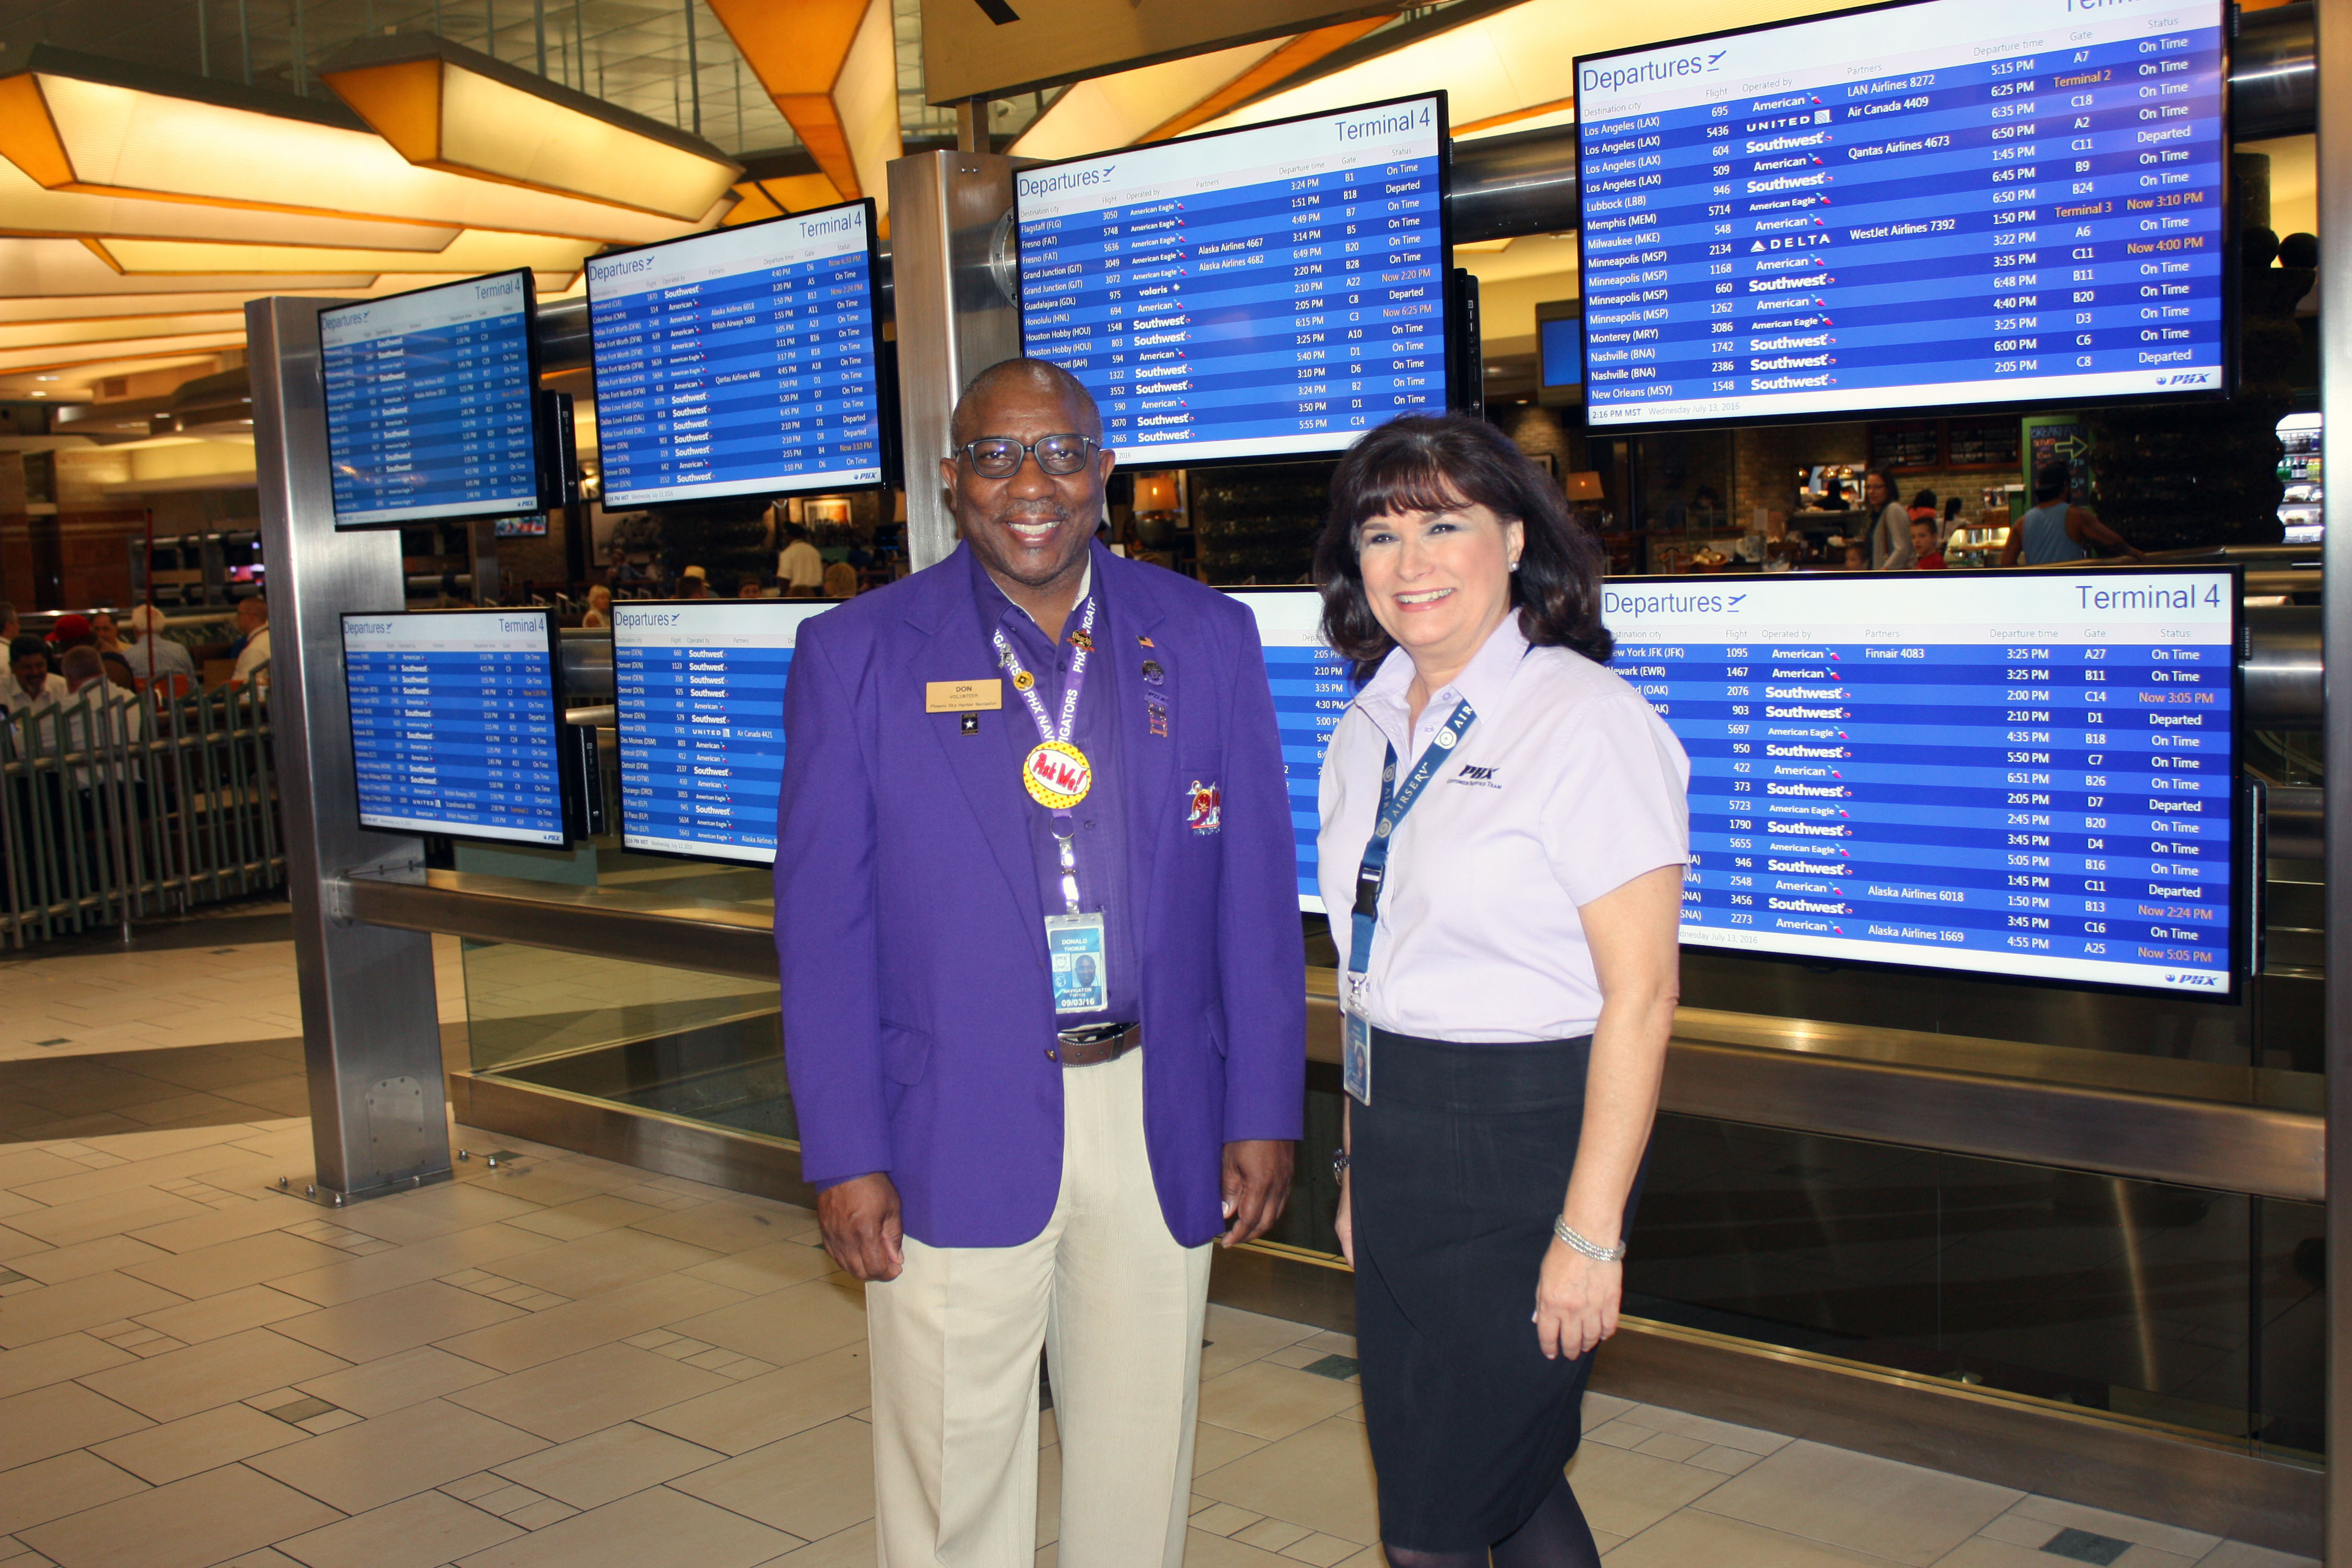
[[1394, 803]]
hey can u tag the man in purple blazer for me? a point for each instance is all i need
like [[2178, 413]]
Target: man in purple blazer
[[1044, 992]]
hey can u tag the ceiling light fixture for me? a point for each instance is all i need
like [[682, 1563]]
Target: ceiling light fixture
[[448, 107], [831, 66]]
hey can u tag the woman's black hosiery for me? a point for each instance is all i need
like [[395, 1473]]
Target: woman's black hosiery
[[1414, 1557], [1555, 1536]]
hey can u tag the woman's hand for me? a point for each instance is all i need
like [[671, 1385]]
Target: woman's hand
[[1577, 1299], [1345, 1221]]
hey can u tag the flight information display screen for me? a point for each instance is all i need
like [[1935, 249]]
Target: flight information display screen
[[698, 694], [1311, 690], [743, 362], [453, 723], [2028, 774], [1913, 206], [430, 403], [1271, 292]]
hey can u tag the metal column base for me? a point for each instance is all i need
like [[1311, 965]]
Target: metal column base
[[310, 1190]]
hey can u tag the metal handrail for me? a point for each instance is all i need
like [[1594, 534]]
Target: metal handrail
[[2253, 1131]]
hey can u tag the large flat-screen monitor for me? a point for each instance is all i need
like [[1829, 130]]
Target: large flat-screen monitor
[[1311, 690], [2028, 774], [455, 726], [1268, 292], [1909, 206], [698, 694], [743, 362], [432, 405]]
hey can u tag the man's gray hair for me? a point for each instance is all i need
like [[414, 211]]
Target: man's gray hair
[[1038, 373]]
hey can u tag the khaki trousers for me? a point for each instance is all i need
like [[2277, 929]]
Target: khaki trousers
[[1118, 1307]]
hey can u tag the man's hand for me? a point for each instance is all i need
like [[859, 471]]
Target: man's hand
[[1256, 1186], [860, 1219]]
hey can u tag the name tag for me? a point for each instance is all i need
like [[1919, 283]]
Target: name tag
[[962, 696]]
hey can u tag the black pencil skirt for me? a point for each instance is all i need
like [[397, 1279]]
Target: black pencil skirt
[[1457, 1170]]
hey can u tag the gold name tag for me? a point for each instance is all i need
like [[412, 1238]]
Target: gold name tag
[[962, 696]]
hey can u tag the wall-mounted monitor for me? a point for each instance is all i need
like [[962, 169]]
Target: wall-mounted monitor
[[432, 404], [698, 694], [1922, 205], [743, 362], [455, 725], [1264, 293], [1311, 690], [1559, 349], [2028, 774]]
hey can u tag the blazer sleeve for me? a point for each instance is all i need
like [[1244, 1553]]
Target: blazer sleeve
[[826, 904], [1261, 956]]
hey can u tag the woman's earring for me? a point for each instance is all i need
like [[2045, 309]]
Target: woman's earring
[[1514, 565]]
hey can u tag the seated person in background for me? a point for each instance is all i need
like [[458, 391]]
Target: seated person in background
[[29, 684], [2056, 530], [694, 583], [253, 620], [109, 648], [748, 588], [72, 631], [10, 627], [1857, 557], [1925, 545], [154, 656], [599, 607], [840, 581]]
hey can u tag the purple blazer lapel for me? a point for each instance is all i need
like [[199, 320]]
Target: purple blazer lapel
[[1148, 760], [991, 788]]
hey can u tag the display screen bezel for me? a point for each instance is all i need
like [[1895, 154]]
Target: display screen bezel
[[2026, 401], [541, 500], [1170, 455], [571, 805], [884, 400]]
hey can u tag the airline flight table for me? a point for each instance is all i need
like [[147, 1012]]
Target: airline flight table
[[428, 402], [1278, 289], [1311, 690], [699, 698], [738, 360], [2028, 775], [1923, 205], [453, 723]]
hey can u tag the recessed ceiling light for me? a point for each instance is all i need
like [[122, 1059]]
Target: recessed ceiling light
[[44, 378], [37, 393]]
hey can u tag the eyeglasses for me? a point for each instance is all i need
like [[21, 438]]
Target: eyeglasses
[[998, 457]]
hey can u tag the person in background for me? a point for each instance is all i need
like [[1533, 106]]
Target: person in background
[[1855, 558], [1834, 496], [799, 570], [154, 656], [2054, 529], [1520, 817], [29, 684], [1926, 550], [1008, 1164], [110, 649], [10, 627], [72, 631], [694, 583], [253, 657], [1890, 525], [599, 607], [1924, 505], [1951, 515], [747, 587], [841, 581]]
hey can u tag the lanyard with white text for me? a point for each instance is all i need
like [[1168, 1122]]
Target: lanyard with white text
[[1057, 775], [1356, 1053]]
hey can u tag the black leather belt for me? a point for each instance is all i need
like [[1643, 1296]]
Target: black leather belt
[[1094, 1043]]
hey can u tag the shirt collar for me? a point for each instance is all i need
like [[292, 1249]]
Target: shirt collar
[[1482, 682], [996, 605]]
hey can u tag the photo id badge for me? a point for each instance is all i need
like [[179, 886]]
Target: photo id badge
[[1076, 945], [1356, 1058]]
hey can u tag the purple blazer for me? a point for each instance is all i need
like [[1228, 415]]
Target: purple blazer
[[916, 1009]]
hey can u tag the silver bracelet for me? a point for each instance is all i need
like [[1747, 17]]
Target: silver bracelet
[[1570, 1239]]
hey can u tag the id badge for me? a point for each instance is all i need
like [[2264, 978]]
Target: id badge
[[1074, 943], [1356, 1058]]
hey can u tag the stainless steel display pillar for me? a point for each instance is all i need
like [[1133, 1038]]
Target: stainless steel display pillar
[[951, 255], [2333, 20], [370, 1028]]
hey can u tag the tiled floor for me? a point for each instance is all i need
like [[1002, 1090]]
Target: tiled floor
[[566, 1364]]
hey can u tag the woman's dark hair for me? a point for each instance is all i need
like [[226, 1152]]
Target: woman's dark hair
[[1432, 464], [1925, 499]]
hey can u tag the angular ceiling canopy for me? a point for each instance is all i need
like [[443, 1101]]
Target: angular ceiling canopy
[[778, 194], [473, 251], [107, 335], [832, 66], [63, 356], [101, 127], [27, 209], [450, 108], [69, 268]]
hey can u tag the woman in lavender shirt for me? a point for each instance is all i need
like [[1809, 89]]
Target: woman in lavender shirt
[[1510, 975]]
